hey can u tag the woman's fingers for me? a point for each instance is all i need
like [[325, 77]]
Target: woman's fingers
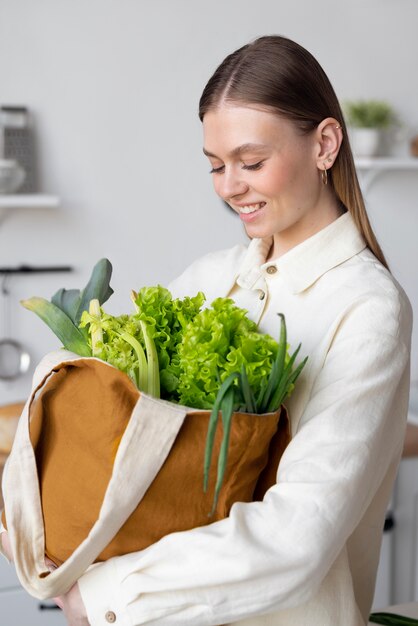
[[5, 542], [50, 564], [58, 601]]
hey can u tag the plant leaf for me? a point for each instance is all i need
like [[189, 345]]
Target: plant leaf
[[68, 300], [97, 288], [63, 327]]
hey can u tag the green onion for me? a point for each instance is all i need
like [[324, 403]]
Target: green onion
[[247, 391], [288, 378], [392, 619], [278, 365], [227, 405], [213, 422]]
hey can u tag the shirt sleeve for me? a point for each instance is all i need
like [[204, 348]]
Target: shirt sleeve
[[272, 555]]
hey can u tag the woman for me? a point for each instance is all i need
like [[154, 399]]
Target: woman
[[307, 555]]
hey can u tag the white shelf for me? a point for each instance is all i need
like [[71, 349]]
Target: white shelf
[[28, 201], [371, 167]]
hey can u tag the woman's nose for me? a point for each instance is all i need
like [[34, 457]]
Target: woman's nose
[[230, 184]]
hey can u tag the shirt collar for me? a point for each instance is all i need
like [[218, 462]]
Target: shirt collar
[[301, 266]]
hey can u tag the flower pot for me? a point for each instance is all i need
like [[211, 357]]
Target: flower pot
[[365, 141]]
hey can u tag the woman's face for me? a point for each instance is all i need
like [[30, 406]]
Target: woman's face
[[278, 177]]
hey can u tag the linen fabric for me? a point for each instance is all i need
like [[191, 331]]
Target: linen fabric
[[307, 554], [77, 420]]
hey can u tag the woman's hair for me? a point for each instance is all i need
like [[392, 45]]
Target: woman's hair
[[276, 73]]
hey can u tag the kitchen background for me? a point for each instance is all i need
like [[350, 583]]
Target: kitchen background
[[113, 87]]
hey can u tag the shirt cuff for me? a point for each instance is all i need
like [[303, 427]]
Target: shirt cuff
[[101, 593]]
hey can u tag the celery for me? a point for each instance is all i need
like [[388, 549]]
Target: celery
[[152, 358], [96, 331], [142, 377]]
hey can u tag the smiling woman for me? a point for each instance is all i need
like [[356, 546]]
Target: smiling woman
[[307, 554], [272, 183]]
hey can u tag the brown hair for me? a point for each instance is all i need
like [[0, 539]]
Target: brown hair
[[276, 73]]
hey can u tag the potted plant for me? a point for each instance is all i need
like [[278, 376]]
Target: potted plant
[[366, 120]]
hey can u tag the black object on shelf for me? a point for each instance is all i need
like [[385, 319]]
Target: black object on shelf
[[389, 522], [32, 269]]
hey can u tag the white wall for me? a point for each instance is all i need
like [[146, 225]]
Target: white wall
[[115, 85]]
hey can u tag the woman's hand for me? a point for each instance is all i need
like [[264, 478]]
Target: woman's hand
[[7, 549], [73, 607], [71, 603]]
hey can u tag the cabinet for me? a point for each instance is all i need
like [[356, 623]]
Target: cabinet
[[405, 553]]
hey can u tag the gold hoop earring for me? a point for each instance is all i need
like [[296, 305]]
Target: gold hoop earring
[[324, 175]]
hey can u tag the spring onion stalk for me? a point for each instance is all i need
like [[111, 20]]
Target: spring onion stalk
[[247, 392], [213, 422], [392, 619], [227, 405], [287, 380], [278, 365], [260, 396], [270, 397]]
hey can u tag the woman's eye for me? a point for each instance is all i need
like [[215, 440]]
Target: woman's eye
[[218, 170], [256, 166]]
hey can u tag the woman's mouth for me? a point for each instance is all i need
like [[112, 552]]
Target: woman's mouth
[[250, 211]]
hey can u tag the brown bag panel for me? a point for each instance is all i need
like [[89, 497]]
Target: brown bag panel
[[82, 413], [76, 424], [176, 501], [278, 444]]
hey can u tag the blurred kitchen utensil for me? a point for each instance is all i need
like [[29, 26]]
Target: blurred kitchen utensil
[[12, 176], [14, 358], [17, 143]]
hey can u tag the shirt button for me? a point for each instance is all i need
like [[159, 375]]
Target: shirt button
[[272, 269], [110, 617], [262, 295]]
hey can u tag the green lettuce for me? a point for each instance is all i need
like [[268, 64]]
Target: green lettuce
[[217, 342]]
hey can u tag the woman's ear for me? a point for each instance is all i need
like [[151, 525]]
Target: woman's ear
[[328, 141]]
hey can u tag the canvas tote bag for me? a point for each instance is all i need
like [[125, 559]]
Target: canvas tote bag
[[99, 469]]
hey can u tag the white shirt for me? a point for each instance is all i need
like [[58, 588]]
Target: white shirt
[[308, 554]]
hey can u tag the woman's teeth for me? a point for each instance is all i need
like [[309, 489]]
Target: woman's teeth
[[250, 208]]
